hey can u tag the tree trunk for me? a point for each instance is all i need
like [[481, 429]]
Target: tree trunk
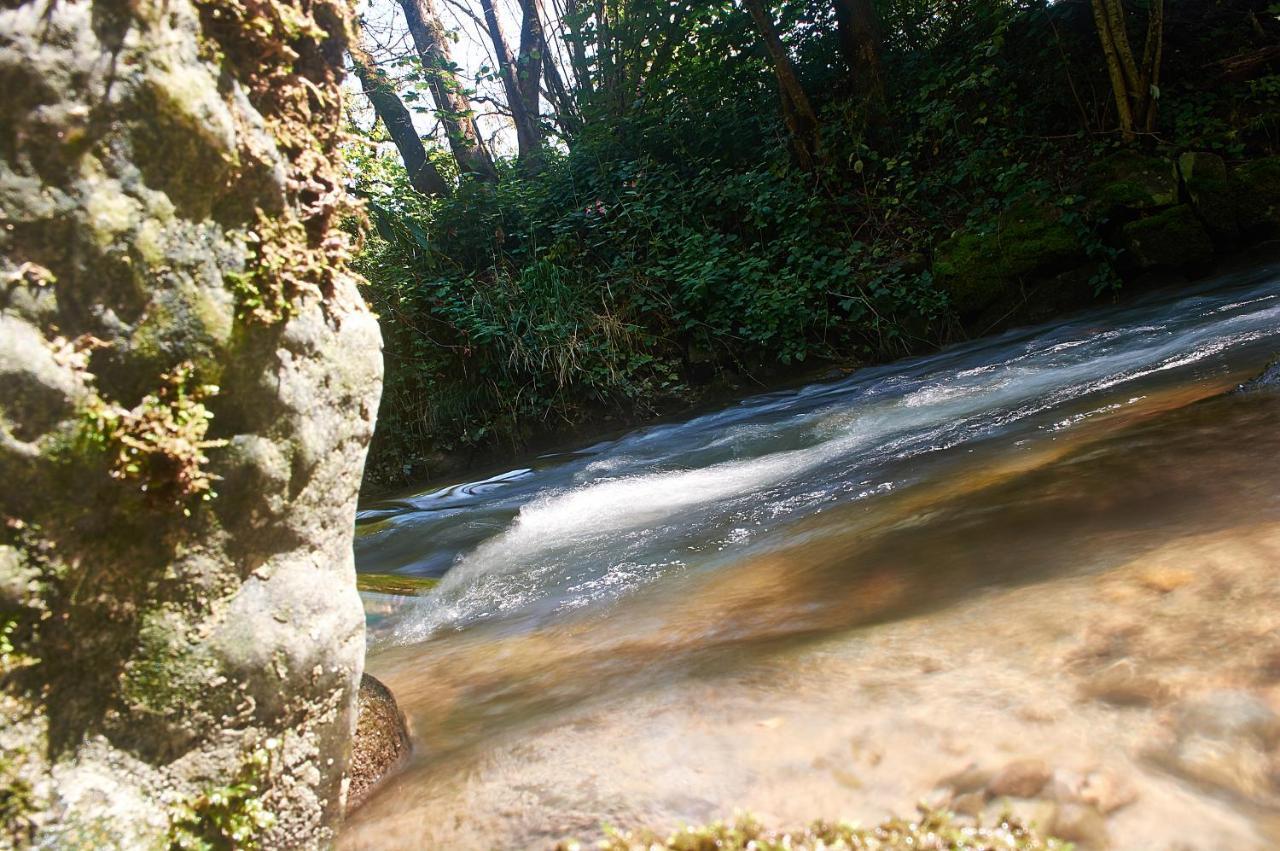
[[577, 50], [1134, 87], [528, 135], [566, 111], [452, 104], [529, 61], [391, 111], [860, 43], [797, 110]]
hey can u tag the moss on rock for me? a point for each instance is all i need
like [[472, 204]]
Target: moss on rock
[[1170, 239], [1128, 182], [1029, 241], [1257, 188], [1210, 192]]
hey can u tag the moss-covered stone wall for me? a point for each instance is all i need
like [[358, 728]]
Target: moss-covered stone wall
[[188, 379]]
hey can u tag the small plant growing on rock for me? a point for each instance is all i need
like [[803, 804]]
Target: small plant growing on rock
[[160, 443], [227, 818]]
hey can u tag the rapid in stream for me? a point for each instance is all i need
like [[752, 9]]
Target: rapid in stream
[[1055, 551]]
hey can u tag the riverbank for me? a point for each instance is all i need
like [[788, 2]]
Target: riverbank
[[603, 423]]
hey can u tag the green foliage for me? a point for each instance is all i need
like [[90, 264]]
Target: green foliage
[[673, 240], [227, 818], [932, 831]]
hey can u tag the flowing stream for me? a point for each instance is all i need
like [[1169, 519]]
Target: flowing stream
[[1056, 549]]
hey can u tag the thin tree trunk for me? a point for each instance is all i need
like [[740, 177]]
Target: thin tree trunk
[[1133, 87], [577, 50], [1152, 59], [532, 49], [566, 113], [380, 89], [528, 137], [860, 42], [797, 110], [451, 102]]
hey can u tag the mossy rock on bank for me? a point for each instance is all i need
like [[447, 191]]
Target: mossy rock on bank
[[396, 585], [1212, 194], [1170, 239], [1256, 186], [1029, 241], [1128, 183]]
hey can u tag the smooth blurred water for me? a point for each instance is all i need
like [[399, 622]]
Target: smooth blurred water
[[582, 530]]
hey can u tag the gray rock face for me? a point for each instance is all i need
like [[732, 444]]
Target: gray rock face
[[188, 378]]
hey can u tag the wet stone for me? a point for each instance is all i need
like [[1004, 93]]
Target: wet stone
[[381, 742], [971, 778], [1023, 778], [1080, 824], [1123, 685]]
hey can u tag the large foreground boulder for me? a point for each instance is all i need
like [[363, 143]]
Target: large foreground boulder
[[188, 379]]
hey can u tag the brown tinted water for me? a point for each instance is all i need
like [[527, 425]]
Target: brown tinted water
[[1055, 555]]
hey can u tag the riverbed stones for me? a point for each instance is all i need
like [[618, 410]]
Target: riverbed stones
[[188, 378], [1080, 824], [1022, 778], [1224, 740], [1123, 684], [381, 741]]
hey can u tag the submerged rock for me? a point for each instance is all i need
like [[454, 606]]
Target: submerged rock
[[381, 742], [1023, 778], [1080, 824], [1224, 740], [1268, 379]]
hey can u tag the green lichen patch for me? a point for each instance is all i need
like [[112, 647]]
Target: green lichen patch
[[933, 831], [227, 818]]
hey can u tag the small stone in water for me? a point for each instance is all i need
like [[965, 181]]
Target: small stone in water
[[968, 804], [971, 778], [1023, 778], [1165, 579], [1080, 824], [1106, 792], [1122, 685]]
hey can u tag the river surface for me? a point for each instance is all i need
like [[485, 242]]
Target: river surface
[[1053, 552]]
